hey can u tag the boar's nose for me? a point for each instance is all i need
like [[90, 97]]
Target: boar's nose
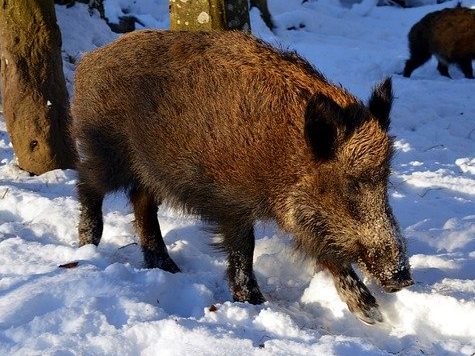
[[402, 279]]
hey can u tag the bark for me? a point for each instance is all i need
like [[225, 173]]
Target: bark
[[35, 99], [206, 15]]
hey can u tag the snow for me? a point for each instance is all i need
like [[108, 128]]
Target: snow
[[149, 13], [110, 305]]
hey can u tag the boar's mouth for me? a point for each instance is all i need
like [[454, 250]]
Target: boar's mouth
[[392, 288], [400, 280]]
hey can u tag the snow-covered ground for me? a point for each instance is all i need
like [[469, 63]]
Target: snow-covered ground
[[109, 305]]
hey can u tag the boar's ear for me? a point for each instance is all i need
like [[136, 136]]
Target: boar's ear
[[322, 123], [381, 101]]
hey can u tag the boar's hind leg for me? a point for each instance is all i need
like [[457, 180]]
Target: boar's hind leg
[[146, 223], [239, 244], [465, 66], [90, 220], [359, 299]]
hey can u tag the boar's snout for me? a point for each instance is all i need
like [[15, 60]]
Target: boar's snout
[[400, 280]]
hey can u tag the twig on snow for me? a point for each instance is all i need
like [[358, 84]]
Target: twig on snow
[[5, 193]]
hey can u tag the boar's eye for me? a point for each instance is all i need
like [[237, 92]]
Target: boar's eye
[[355, 186], [352, 196]]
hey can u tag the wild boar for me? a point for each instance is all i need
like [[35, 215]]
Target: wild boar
[[222, 125], [448, 34]]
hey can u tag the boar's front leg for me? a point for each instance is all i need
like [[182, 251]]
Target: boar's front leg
[[418, 58], [146, 223], [90, 221], [238, 241], [352, 290]]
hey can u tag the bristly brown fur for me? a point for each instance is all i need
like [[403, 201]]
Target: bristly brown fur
[[449, 34], [224, 126]]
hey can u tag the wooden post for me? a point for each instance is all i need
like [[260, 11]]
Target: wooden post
[[207, 15]]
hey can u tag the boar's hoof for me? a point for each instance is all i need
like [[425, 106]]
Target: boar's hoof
[[253, 297], [368, 314], [364, 306], [165, 264], [169, 266]]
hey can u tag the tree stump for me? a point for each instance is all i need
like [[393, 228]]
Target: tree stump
[[35, 99]]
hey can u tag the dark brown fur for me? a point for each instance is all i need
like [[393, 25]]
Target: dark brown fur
[[227, 127], [449, 35]]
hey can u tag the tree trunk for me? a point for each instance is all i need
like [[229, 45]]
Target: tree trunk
[[35, 99], [206, 15]]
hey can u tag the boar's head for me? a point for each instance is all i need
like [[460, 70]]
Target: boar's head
[[339, 209]]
